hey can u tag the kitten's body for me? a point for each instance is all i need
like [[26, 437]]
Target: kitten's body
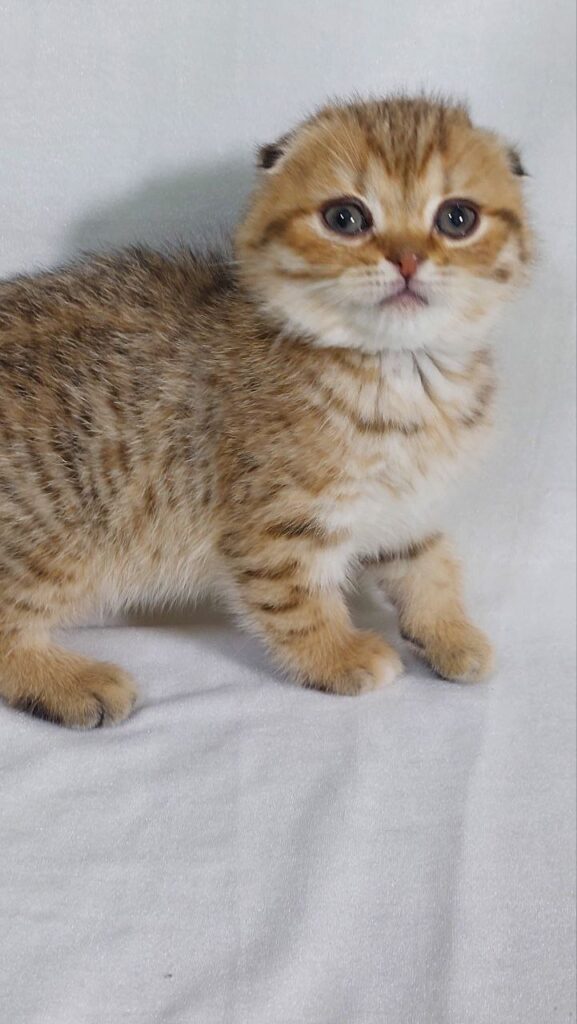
[[169, 428]]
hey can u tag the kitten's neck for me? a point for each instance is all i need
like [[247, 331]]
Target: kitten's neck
[[398, 365], [450, 361], [405, 387]]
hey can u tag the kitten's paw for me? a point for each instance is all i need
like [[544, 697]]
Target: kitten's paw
[[99, 694], [113, 691], [366, 663], [458, 651]]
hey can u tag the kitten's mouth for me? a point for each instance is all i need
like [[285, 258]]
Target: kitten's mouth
[[405, 298]]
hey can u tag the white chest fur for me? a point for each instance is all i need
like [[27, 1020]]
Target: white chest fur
[[392, 487]]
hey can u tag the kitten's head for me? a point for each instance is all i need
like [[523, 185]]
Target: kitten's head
[[392, 224]]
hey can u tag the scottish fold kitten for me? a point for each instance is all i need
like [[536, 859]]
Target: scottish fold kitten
[[264, 429]]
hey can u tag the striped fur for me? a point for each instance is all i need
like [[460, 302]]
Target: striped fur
[[260, 429]]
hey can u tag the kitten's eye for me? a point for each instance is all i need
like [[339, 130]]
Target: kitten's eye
[[456, 218], [347, 217]]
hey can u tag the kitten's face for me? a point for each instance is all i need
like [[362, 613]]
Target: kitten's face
[[387, 225]]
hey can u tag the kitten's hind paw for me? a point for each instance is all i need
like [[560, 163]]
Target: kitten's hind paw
[[111, 689], [66, 689]]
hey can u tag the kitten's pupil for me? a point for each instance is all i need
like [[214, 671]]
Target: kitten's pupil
[[457, 216]]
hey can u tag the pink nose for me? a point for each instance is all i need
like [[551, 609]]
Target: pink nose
[[408, 263]]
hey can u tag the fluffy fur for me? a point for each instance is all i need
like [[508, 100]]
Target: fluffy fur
[[263, 428]]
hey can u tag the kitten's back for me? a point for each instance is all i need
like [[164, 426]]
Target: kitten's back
[[136, 288]]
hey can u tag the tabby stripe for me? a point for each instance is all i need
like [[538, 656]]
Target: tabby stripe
[[501, 274], [35, 566], [277, 226], [309, 529], [15, 555], [307, 275], [474, 418], [446, 372], [46, 483], [123, 456], [27, 608], [426, 156], [26, 563], [411, 551], [425, 384], [508, 217], [279, 572], [373, 142], [206, 495], [376, 426], [100, 494], [170, 458], [366, 367], [288, 635], [65, 448], [110, 479], [150, 502], [109, 470], [115, 403], [46, 573], [483, 400], [284, 606], [85, 419], [20, 504]]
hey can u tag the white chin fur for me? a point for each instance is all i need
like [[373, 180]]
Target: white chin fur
[[324, 313]]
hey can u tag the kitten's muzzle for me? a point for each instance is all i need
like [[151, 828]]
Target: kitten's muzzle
[[405, 297]]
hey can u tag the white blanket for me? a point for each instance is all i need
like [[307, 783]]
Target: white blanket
[[242, 851]]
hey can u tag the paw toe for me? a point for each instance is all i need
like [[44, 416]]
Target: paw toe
[[373, 663], [466, 656], [112, 694]]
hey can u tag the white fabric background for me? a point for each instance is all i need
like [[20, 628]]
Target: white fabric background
[[242, 851]]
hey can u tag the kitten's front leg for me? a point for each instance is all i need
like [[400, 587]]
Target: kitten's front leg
[[424, 582], [307, 628]]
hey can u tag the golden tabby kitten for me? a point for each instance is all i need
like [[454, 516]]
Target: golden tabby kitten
[[263, 430]]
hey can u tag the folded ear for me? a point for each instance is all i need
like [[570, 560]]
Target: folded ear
[[515, 162], [270, 156]]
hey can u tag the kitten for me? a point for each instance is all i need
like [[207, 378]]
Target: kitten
[[264, 429]]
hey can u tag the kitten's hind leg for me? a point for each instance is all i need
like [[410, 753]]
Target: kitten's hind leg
[[59, 686]]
